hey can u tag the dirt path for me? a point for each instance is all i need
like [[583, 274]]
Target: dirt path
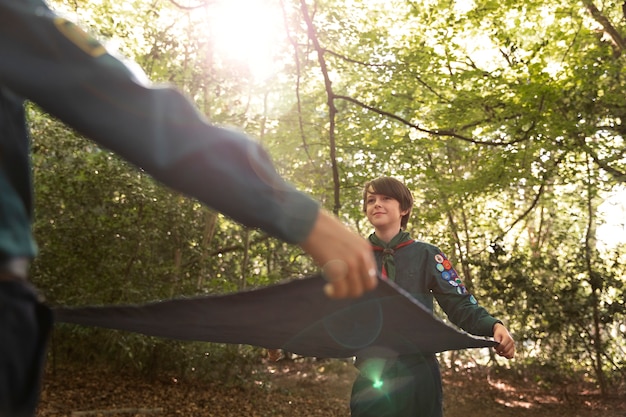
[[302, 390]]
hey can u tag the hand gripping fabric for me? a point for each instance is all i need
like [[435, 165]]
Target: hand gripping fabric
[[295, 316]]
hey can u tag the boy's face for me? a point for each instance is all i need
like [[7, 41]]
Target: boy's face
[[382, 211]]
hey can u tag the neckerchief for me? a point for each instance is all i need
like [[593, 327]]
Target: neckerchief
[[388, 249]]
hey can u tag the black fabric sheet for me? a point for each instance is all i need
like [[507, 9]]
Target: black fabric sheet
[[295, 316]]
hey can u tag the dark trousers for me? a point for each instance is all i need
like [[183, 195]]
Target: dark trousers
[[25, 324], [405, 387]]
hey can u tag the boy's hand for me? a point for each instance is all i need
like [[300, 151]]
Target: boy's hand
[[346, 259], [506, 347]]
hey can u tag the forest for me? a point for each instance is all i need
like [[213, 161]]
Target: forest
[[506, 120]]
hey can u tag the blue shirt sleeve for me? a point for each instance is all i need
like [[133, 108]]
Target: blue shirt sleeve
[[53, 63]]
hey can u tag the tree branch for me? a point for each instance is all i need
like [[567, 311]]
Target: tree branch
[[332, 110], [437, 132], [294, 44], [201, 3], [617, 175], [352, 60], [618, 41]]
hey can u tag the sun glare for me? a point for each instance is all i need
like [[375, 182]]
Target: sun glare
[[247, 32]]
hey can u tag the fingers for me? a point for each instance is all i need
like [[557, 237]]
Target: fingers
[[506, 349], [345, 281], [350, 285], [346, 258], [372, 279], [506, 346], [508, 352], [361, 274], [336, 273]]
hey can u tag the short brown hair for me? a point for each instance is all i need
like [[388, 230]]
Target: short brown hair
[[393, 188]]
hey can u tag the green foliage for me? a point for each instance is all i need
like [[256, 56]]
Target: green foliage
[[505, 119]]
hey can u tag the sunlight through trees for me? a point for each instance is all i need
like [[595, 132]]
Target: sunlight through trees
[[506, 119]]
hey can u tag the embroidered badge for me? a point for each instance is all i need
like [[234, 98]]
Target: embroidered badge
[[79, 37], [448, 273]]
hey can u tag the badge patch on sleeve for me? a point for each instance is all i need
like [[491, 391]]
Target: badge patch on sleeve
[[444, 266], [79, 37]]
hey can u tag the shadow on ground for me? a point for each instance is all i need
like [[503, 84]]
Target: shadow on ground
[[303, 389]]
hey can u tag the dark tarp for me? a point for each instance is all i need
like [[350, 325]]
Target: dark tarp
[[295, 316]]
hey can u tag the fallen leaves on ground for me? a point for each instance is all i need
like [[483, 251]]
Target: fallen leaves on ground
[[302, 389]]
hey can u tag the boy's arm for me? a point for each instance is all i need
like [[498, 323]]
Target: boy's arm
[[51, 62], [462, 307]]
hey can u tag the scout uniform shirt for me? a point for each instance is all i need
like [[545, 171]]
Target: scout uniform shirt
[[425, 272]]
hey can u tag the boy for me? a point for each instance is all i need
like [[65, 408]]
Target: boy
[[412, 383]]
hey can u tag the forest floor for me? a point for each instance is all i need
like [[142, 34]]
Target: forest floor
[[305, 389]]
